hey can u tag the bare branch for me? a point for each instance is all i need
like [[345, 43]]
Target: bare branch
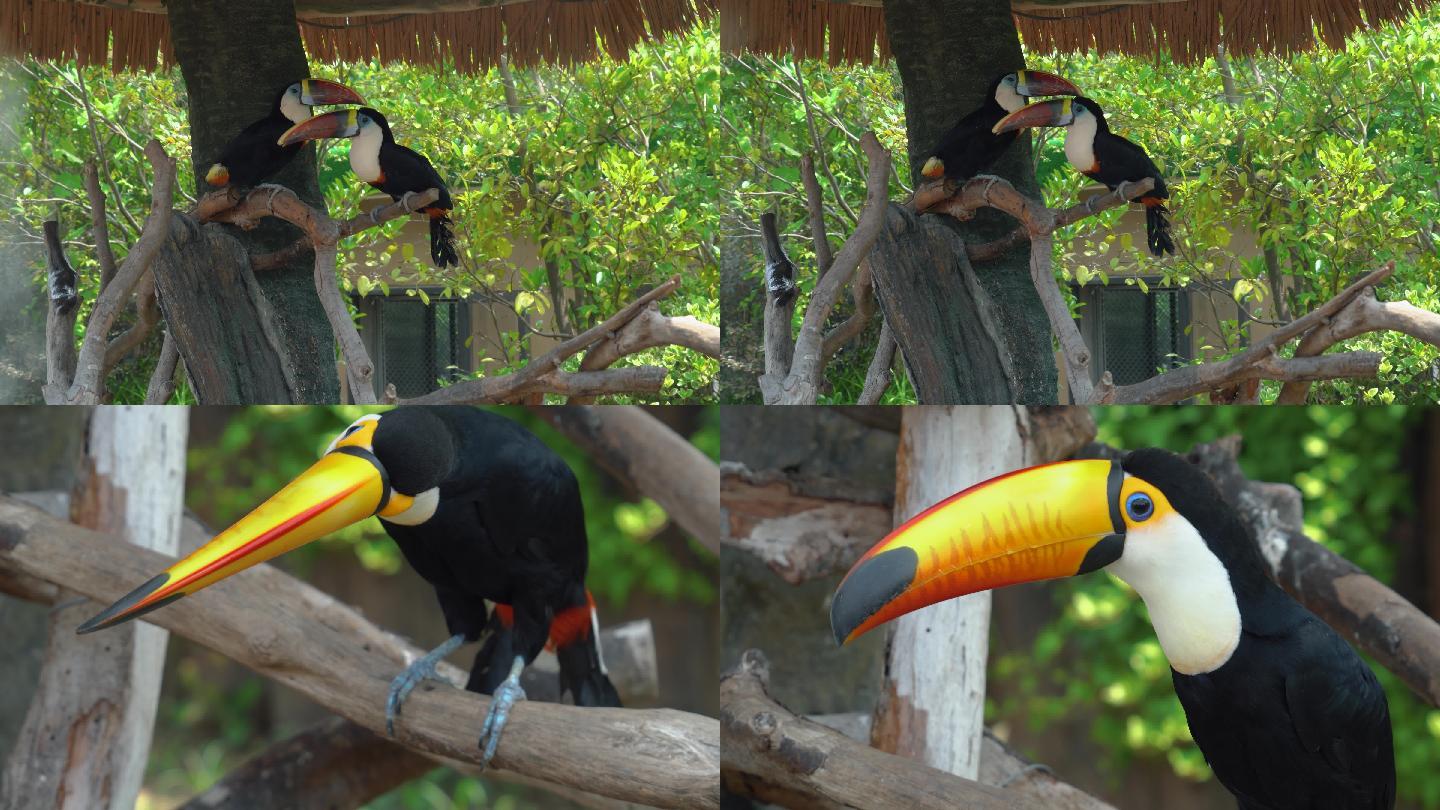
[[350, 227], [99, 224], [815, 202], [877, 377], [801, 385], [862, 293], [650, 329], [162, 381], [147, 314], [285, 629], [509, 386], [85, 390]]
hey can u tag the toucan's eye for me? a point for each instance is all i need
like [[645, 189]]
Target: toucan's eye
[[1139, 507]]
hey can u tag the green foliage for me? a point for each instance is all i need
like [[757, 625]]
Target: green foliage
[[607, 168], [1346, 463], [1330, 158]]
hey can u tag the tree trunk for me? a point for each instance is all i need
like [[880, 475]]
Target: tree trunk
[[933, 702], [236, 57], [87, 735], [948, 52]]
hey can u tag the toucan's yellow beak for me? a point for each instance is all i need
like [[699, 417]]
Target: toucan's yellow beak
[[1039, 523], [343, 487]]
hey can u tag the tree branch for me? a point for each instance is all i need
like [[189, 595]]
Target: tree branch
[[801, 386], [649, 329], [285, 629], [86, 388], [538, 374], [350, 227], [877, 377], [772, 755], [99, 224], [162, 380]]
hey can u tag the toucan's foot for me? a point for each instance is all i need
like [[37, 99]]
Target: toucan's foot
[[405, 201], [423, 669], [501, 702]]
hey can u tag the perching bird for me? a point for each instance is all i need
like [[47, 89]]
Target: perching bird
[[1101, 155], [970, 147], [61, 276], [377, 159], [1287, 715], [481, 509], [779, 270], [254, 156]]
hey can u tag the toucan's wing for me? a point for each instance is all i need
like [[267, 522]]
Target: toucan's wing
[[1118, 155], [1340, 715], [425, 173]]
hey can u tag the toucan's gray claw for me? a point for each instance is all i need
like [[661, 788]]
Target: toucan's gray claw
[[423, 669], [501, 703]]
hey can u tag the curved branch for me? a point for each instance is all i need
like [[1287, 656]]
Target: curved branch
[[648, 330], [285, 629]]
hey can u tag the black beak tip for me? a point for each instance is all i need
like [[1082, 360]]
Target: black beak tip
[[871, 586], [112, 615]]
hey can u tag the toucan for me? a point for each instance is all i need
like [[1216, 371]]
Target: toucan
[[779, 270], [254, 155], [377, 159], [970, 146], [1285, 712], [480, 508], [1101, 155]]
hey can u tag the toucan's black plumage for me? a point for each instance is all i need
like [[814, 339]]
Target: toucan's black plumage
[[508, 526], [255, 155], [397, 170], [970, 147], [779, 270], [1119, 160], [1294, 720]]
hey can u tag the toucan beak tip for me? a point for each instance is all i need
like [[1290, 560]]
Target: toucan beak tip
[[869, 587]]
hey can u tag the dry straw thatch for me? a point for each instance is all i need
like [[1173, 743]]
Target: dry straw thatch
[[526, 31], [1190, 30]]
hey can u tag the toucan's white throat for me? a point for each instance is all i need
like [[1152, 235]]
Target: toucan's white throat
[[1187, 590], [420, 510], [291, 108], [365, 153], [1080, 142], [1007, 98]]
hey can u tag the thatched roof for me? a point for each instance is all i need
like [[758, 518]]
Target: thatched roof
[[854, 30], [471, 35]]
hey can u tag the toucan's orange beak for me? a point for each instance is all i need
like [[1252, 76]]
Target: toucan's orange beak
[[1039, 523], [1053, 113], [315, 92], [337, 124], [342, 488], [1039, 83]]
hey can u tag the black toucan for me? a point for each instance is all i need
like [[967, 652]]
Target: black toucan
[[377, 159], [1101, 155], [970, 147], [1287, 715], [254, 155], [481, 509], [779, 270]]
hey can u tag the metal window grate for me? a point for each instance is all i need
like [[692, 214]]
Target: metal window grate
[[418, 345], [1136, 334]]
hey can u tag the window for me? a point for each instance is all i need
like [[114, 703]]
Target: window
[[1134, 334], [415, 345]]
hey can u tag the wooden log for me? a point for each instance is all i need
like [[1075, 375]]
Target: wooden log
[[86, 737], [772, 755], [289, 631]]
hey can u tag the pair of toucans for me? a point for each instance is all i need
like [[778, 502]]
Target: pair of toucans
[[481, 509], [982, 136], [1287, 715], [269, 144]]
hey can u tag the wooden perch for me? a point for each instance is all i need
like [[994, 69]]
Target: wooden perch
[[772, 755], [542, 374], [286, 630], [1372, 616], [350, 227], [647, 330], [655, 461]]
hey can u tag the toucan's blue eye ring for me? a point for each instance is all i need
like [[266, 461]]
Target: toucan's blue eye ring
[[1139, 507]]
